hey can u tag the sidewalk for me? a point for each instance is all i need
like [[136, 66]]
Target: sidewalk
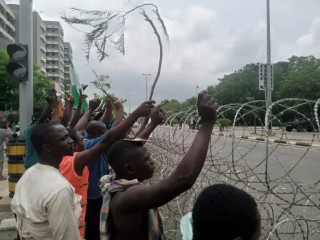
[[7, 221]]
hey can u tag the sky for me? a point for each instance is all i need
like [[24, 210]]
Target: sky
[[207, 39]]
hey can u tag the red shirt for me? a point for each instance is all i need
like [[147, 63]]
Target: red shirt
[[80, 184]]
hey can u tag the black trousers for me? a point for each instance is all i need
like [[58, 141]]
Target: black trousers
[[92, 219]]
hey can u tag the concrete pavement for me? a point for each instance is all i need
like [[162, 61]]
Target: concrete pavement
[[7, 220]]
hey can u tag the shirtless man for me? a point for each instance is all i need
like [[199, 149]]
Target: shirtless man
[[129, 208]]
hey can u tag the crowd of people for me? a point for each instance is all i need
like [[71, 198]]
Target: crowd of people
[[86, 177]]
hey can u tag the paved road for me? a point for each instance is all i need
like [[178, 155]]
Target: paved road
[[292, 174]]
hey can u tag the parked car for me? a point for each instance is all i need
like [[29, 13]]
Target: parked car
[[302, 123]]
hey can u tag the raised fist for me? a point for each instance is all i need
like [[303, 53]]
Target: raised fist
[[207, 107], [157, 117], [94, 103], [145, 108]]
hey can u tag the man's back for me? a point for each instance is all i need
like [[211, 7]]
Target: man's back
[[42, 202]]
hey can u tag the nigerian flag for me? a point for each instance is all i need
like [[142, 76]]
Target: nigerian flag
[[75, 86]]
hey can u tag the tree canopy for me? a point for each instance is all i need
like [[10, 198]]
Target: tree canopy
[[299, 77], [9, 99]]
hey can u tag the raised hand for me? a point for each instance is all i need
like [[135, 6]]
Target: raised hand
[[118, 105], [94, 103], [68, 97], [157, 117], [207, 107], [82, 97], [108, 101], [145, 108]]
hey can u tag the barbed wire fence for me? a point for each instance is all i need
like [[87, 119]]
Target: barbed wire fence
[[283, 178]]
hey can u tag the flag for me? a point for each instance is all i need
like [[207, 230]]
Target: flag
[[75, 86]]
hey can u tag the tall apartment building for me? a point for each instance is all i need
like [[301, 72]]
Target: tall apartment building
[[67, 65], [7, 22], [39, 37], [39, 42], [54, 51]]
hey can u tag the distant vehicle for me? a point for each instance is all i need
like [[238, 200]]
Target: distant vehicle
[[300, 124]]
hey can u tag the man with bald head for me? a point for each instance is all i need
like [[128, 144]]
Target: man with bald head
[[95, 129]]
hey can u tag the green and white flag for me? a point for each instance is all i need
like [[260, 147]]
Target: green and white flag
[[75, 86]]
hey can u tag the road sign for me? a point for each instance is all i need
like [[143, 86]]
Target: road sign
[[263, 77]]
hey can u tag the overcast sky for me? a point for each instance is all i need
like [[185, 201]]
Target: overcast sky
[[208, 38]]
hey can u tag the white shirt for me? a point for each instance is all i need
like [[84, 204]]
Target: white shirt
[[46, 206]]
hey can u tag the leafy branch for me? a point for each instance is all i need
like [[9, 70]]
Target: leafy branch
[[108, 29]]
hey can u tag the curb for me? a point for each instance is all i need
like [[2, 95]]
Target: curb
[[262, 139]]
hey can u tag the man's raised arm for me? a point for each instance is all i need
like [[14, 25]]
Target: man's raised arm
[[140, 197], [116, 133]]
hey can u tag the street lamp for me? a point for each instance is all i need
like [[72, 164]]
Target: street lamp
[[146, 74]]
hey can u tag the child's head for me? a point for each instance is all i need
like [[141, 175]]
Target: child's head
[[225, 212], [131, 160]]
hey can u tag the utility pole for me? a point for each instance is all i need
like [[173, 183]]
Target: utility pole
[[268, 89], [26, 87], [146, 74]]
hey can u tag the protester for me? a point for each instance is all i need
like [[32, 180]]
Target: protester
[[98, 168], [132, 212], [31, 157], [74, 168], [4, 134], [224, 212], [44, 202]]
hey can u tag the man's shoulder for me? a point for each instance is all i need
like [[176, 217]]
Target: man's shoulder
[[91, 142]]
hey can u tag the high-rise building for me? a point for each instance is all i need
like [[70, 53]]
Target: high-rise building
[[39, 37], [39, 42], [67, 65], [55, 51], [7, 22]]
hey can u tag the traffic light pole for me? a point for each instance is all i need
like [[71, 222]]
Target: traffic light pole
[[26, 87]]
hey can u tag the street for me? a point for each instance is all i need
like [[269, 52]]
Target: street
[[284, 182]]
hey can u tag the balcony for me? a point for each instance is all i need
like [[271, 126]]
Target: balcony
[[5, 20], [43, 27], [52, 66], [48, 50], [43, 38], [52, 59], [52, 74], [43, 70], [43, 49], [52, 26], [52, 42], [52, 34], [42, 59]]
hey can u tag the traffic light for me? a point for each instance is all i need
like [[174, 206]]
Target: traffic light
[[18, 61]]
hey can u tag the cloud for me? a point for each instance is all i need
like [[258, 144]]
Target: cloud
[[306, 44], [207, 40]]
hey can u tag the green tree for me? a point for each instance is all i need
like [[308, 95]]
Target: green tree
[[9, 97], [302, 79], [170, 105], [41, 86], [9, 89]]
